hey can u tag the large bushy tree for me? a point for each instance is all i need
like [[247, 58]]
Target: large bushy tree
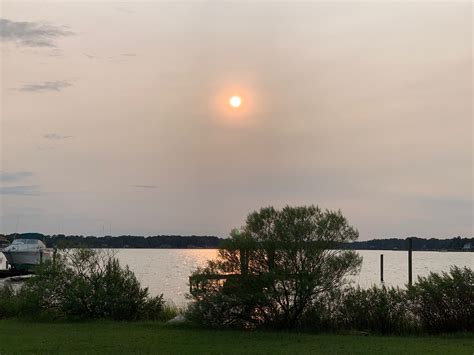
[[273, 268]]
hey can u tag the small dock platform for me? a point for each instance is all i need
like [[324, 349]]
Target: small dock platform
[[13, 272]]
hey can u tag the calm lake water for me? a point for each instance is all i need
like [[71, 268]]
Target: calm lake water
[[167, 270]]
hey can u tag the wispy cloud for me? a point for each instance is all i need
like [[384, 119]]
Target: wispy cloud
[[125, 10], [31, 34], [45, 86], [8, 177], [146, 186], [25, 190], [55, 136], [45, 148]]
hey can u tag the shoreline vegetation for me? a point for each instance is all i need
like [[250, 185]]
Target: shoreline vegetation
[[277, 286], [87, 313], [459, 243]]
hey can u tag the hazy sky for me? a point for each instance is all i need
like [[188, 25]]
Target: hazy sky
[[115, 116]]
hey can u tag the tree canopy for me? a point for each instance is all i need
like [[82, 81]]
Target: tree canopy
[[274, 267]]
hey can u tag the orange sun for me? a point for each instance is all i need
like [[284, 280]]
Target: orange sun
[[235, 101]]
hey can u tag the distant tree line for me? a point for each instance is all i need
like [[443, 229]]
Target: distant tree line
[[212, 242], [452, 244], [124, 241]]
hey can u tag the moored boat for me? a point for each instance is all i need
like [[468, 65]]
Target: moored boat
[[24, 254]]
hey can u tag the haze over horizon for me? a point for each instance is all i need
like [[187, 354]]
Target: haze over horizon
[[115, 116]]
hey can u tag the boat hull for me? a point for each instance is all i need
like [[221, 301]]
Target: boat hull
[[24, 260]]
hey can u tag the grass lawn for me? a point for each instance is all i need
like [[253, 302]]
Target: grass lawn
[[19, 337]]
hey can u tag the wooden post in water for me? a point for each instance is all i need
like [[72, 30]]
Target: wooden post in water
[[410, 261], [41, 257], [381, 268]]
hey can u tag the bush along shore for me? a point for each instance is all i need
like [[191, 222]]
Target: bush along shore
[[83, 284], [279, 271]]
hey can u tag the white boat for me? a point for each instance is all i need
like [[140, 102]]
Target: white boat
[[26, 253]]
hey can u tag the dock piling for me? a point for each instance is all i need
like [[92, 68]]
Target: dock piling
[[410, 261], [381, 268]]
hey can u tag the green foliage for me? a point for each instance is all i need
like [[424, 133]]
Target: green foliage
[[167, 312], [85, 283], [382, 310], [8, 302], [283, 270], [124, 241], [437, 303], [281, 260], [378, 309], [445, 302]]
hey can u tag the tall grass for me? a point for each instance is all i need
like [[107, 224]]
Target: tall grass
[[170, 311]]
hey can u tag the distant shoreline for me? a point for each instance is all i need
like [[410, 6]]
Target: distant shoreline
[[212, 248], [457, 244]]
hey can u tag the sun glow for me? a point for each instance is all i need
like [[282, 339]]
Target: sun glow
[[235, 101], [234, 104]]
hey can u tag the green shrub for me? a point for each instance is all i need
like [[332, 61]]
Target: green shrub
[[85, 283], [378, 309], [170, 311], [445, 302], [154, 308], [219, 310], [119, 295], [437, 303], [324, 312], [8, 302]]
